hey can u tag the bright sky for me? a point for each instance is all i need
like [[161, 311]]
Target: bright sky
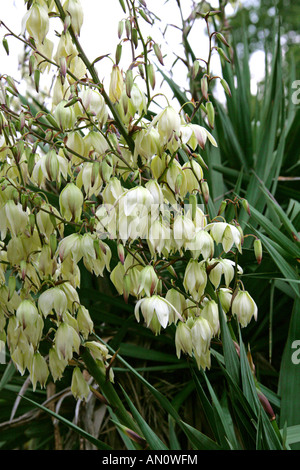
[[99, 37]]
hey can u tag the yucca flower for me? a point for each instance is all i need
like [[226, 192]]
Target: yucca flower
[[79, 386], [195, 278], [157, 312], [227, 234], [70, 202], [244, 308], [39, 371], [36, 21]]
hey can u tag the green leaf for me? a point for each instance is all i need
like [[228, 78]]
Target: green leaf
[[199, 440], [230, 354], [7, 374], [285, 268], [152, 439]]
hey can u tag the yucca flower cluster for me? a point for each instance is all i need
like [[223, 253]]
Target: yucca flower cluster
[[118, 177]]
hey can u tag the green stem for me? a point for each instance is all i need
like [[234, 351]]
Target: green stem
[[109, 392]]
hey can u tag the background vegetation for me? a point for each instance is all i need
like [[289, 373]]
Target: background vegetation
[[246, 401]]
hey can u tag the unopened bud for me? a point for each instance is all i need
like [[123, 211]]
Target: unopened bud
[[5, 45], [158, 53], [204, 87], [246, 206], [223, 55], [205, 191], [63, 68], [31, 219], [121, 253], [118, 53], [129, 82], [134, 37], [151, 75], [122, 5], [195, 69], [178, 182], [127, 28], [193, 203], [120, 28], [210, 114], [222, 207], [225, 86], [126, 287], [24, 201], [11, 286], [67, 23], [222, 39], [37, 75], [32, 64], [53, 244], [258, 250]]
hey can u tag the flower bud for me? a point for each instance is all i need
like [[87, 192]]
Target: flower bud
[[258, 250], [204, 87], [222, 207], [151, 75], [205, 191], [70, 202], [225, 86]]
